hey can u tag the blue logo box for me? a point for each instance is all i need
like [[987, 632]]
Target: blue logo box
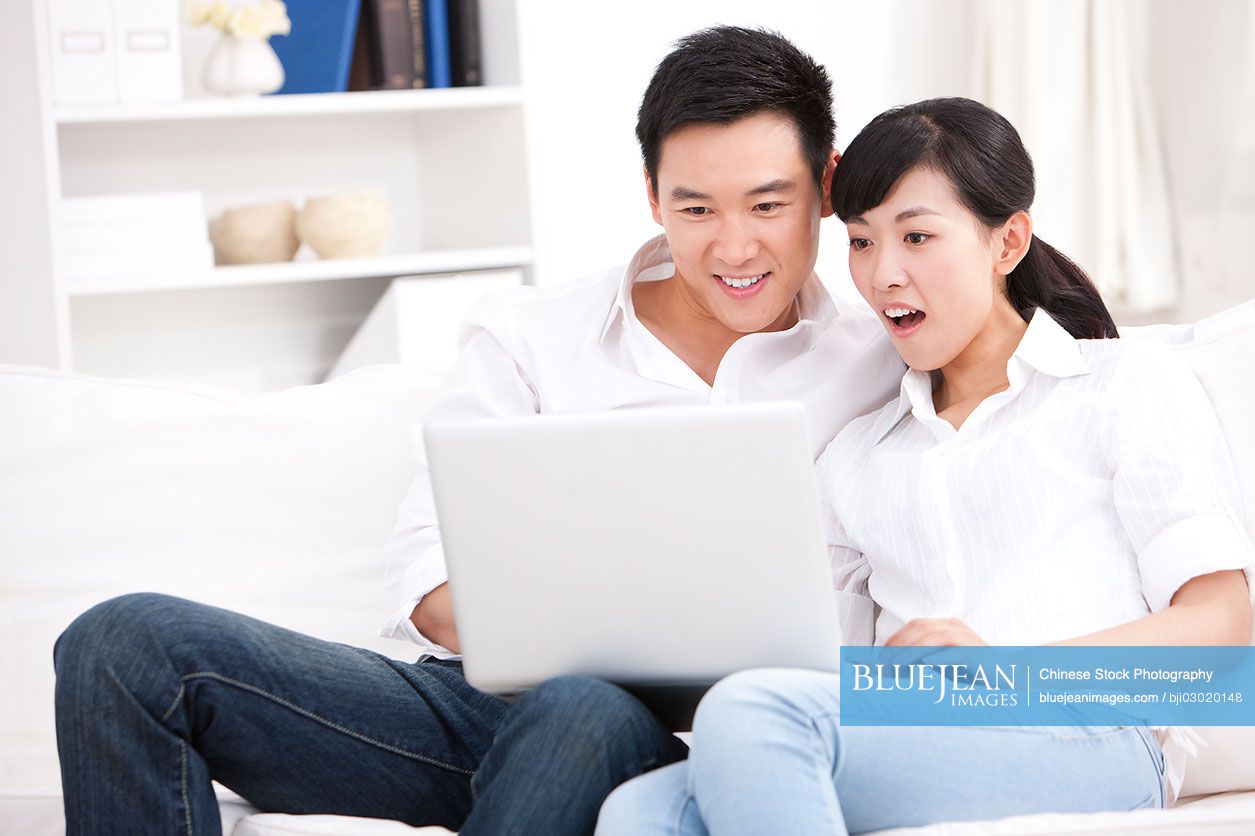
[[1047, 686]]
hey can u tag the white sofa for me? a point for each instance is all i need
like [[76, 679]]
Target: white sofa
[[277, 505]]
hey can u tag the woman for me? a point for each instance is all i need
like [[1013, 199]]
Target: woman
[[1036, 481]]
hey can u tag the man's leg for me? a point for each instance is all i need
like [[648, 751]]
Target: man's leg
[[565, 746], [156, 696]]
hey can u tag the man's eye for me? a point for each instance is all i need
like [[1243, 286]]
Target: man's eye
[[859, 243], [917, 237], [696, 211], [767, 207]]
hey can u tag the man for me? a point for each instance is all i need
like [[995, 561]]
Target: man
[[156, 696]]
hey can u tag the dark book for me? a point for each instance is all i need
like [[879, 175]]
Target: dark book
[[389, 44], [436, 34], [465, 54], [359, 70], [418, 43]]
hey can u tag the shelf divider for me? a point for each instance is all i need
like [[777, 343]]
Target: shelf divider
[[310, 270], [305, 104]]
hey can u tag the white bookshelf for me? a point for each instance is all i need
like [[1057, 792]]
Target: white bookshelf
[[450, 162]]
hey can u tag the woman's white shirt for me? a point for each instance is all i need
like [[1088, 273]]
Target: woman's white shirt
[[1080, 498]]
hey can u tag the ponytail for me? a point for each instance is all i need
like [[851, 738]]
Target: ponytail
[[1046, 278]]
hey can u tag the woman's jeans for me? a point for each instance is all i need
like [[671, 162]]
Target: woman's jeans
[[157, 696], [770, 756]]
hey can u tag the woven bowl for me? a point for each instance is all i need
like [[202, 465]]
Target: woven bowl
[[255, 234], [349, 225]]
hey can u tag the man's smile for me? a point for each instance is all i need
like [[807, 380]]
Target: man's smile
[[743, 286]]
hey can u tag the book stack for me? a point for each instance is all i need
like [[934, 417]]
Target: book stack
[[407, 44], [122, 236], [115, 51]]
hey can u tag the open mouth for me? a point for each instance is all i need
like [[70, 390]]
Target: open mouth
[[905, 320]]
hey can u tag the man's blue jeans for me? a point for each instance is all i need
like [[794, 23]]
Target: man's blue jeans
[[157, 696]]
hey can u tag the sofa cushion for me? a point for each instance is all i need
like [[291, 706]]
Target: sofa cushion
[[277, 824], [276, 505], [1221, 351]]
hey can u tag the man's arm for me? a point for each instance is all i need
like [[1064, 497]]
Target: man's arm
[[486, 382], [434, 618]]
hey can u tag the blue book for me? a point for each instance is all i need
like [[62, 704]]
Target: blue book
[[317, 53], [439, 67]]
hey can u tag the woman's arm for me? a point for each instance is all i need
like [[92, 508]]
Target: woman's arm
[[1208, 609]]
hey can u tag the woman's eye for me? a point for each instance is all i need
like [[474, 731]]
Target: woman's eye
[[696, 211], [859, 243], [917, 237]]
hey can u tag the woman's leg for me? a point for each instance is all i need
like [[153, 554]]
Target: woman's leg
[[769, 754], [658, 803]]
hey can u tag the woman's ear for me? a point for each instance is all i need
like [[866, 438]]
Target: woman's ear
[[1011, 242], [825, 184]]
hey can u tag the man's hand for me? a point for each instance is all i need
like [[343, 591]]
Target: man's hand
[[934, 632], [434, 618]]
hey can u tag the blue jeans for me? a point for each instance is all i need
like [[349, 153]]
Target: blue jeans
[[157, 696], [770, 756]]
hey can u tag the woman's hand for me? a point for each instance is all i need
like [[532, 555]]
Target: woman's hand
[[934, 632]]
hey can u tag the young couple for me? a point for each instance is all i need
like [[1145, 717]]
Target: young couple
[[1033, 481]]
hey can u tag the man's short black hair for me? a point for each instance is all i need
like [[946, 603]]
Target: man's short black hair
[[727, 73]]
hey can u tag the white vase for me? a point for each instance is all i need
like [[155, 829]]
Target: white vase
[[238, 67]]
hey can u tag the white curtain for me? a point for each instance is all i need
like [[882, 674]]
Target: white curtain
[[1069, 74], [1237, 205]]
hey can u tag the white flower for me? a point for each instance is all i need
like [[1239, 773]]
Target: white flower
[[251, 21], [219, 15], [195, 12], [269, 17]]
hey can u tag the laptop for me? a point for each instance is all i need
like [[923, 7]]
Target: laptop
[[660, 549]]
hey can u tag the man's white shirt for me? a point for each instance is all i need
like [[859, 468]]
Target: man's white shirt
[[581, 348]]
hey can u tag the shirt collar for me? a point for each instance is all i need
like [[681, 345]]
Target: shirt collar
[[653, 261], [1045, 347], [1049, 349]]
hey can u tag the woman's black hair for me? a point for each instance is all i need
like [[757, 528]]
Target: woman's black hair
[[981, 154]]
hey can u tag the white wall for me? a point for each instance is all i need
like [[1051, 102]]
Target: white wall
[[585, 67]]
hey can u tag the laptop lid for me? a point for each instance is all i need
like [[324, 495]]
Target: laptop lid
[[646, 546]]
